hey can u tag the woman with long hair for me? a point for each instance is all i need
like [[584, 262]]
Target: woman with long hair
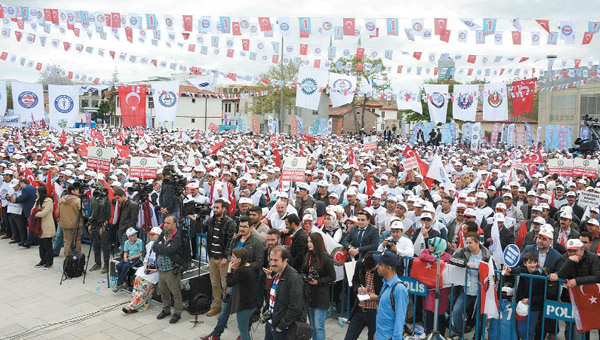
[[241, 277], [42, 224], [318, 272]]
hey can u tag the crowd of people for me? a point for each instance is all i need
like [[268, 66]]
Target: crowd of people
[[267, 241]]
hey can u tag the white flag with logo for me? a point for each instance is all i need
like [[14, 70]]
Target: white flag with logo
[[166, 96], [475, 135], [465, 102], [366, 86], [437, 101], [310, 81], [342, 89], [409, 98], [205, 82], [495, 103], [438, 172], [28, 101], [63, 102], [3, 101]]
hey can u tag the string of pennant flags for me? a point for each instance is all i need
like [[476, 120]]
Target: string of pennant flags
[[339, 65], [302, 27], [270, 51]]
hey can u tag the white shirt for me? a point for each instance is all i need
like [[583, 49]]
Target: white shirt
[[150, 258], [14, 208], [404, 247], [3, 192]]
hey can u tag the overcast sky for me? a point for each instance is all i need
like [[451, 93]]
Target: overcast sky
[[576, 11]]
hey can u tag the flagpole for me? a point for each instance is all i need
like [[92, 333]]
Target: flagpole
[[281, 88]]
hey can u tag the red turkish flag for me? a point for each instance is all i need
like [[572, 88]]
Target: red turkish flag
[[349, 27], [31, 178], [303, 49], [522, 233], [108, 20], [440, 25], [445, 35], [38, 67], [188, 23], [97, 135], [63, 138], [471, 58], [417, 55], [18, 35], [577, 63], [523, 99], [55, 19], [360, 53], [212, 127], [277, 157], [545, 24], [123, 151], [235, 28], [115, 20], [587, 38], [275, 59], [536, 158], [370, 186], [469, 71], [47, 14], [399, 69], [426, 272], [410, 152], [246, 44], [307, 138], [129, 34], [112, 54], [516, 37], [232, 202], [585, 301], [3, 56], [230, 53], [83, 150], [216, 147], [317, 63], [359, 66], [132, 100], [264, 23], [192, 48], [523, 59]]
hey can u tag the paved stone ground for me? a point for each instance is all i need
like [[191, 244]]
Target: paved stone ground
[[32, 297]]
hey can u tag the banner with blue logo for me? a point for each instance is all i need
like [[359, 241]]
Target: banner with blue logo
[[63, 104], [28, 101], [528, 134], [446, 137], [549, 132], [556, 138], [467, 128]]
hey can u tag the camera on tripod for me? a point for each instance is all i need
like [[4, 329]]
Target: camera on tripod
[[81, 185], [194, 208], [175, 179]]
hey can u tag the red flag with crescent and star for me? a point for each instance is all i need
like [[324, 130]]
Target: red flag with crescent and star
[[132, 100], [426, 272], [585, 300], [523, 91], [536, 158]]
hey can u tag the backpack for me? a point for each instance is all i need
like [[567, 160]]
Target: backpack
[[74, 265]]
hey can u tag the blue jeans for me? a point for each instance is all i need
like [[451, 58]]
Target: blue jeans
[[122, 240], [359, 319], [272, 334], [522, 326], [58, 240], [458, 313], [123, 269], [243, 322], [222, 322], [317, 320]]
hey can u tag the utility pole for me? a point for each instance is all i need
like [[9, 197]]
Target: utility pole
[[281, 108]]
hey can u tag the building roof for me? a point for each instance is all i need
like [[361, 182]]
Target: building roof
[[185, 89]]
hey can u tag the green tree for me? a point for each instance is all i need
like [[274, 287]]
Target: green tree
[[104, 110], [372, 69], [271, 103]]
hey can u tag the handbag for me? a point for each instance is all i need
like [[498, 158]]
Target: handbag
[[299, 331]]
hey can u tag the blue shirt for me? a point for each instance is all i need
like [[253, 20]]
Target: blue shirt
[[390, 324], [133, 249]]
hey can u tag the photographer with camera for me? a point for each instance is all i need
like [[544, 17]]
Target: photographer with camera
[[98, 224], [397, 243], [317, 272], [170, 264], [128, 215], [68, 211], [285, 296], [219, 231]]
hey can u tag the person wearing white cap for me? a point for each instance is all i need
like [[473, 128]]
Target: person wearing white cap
[[559, 196], [565, 230], [572, 202], [383, 218], [353, 206], [303, 199], [397, 242], [146, 277], [322, 193], [18, 222], [425, 228], [549, 258], [132, 253], [5, 188], [512, 211], [506, 236]]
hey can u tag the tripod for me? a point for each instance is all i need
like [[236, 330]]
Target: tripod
[[435, 334], [73, 244]]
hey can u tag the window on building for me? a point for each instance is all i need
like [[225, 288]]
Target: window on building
[[315, 113], [590, 104], [150, 102], [85, 102], [193, 100], [193, 120]]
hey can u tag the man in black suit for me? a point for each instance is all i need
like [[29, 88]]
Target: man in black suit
[[362, 238], [299, 245]]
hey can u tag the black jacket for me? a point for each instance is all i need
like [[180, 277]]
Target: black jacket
[[506, 236], [288, 299], [359, 279], [586, 271], [318, 296], [255, 250], [461, 257], [170, 247], [537, 288], [166, 198], [228, 228], [298, 249], [369, 241], [128, 216], [243, 282]]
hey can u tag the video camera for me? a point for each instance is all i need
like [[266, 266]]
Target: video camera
[[171, 177], [195, 208], [591, 145], [81, 185]]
